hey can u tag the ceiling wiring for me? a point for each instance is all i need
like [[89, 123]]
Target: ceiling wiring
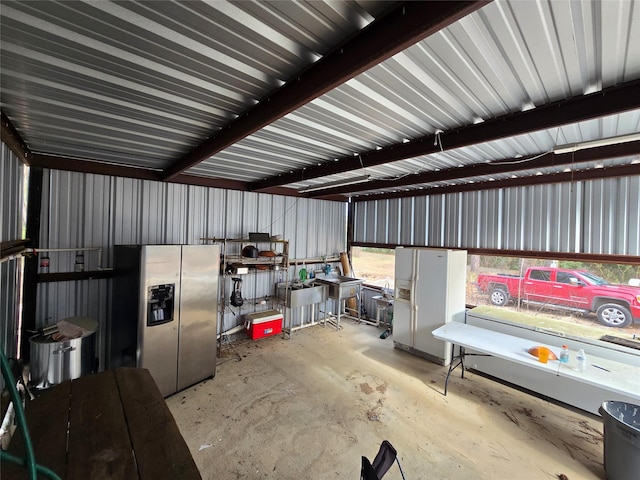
[[280, 217]]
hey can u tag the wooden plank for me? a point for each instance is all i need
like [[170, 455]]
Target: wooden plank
[[47, 417], [161, 452], [99, 444]]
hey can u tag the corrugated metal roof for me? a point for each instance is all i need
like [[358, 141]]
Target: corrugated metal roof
[[144, 83], [507, 57]]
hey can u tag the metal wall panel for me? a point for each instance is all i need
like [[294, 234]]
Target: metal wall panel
[[631, 214], [396, 214], [613, 219], [176, 214], [382, 222], [436, 221], [422, 220], [127, 211], [597, 217], [315, 226], [360, 221], [470, 218], [301, 230], [84, 210], [153, 208], [12, 187], [77, 212], [288, 223], [196, 214], [406, 224], [451, 221], [249, 213], [233, 214], [512, 201]]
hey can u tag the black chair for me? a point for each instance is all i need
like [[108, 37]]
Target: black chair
[[386, 457]]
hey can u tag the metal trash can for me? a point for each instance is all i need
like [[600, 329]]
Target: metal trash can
[[621, 440]]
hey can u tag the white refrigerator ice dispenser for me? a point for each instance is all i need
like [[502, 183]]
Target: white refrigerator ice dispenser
[[430, 288], [164, 315]]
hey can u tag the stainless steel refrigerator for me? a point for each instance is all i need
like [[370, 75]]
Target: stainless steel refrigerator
[[164, 312], [430, 288]]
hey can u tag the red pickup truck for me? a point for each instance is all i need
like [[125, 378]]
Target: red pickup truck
[[576, 290]]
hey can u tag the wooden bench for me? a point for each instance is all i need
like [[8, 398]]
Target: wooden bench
[[616, 377], [110, 425]]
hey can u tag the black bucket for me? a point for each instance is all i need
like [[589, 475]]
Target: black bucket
[[621, 440]]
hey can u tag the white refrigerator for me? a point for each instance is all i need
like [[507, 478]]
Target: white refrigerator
[[430, 286]]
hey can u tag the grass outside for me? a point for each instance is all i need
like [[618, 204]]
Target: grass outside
[[375, 268]]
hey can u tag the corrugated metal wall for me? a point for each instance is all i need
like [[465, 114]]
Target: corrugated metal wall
[[597, 217], [85, 210], [11, 224]]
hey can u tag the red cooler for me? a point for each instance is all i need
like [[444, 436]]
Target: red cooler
[[263, 324]]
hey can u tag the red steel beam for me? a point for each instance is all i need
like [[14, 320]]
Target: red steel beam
[[494, 168], [580, 257], [621, 98], [575, 176], [99, 168], [403, 26], [91, 166]]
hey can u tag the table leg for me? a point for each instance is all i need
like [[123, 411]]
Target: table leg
[[453, 365], [462, 354]]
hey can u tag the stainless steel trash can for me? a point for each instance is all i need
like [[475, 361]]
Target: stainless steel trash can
[[621, 440]]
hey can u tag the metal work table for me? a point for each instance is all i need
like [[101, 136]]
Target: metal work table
[[342, 288], [617, 377]]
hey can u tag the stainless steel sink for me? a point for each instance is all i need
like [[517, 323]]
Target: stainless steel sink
[[301, 294], [340, 279], [341, 287], [382, 301]]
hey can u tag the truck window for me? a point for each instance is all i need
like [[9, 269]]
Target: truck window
[[543, 275], [594, 279], [563, 277]]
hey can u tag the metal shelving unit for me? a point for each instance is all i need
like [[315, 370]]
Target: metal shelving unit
[[234, 265]]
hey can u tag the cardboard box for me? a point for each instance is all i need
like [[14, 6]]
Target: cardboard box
[[263, 324]]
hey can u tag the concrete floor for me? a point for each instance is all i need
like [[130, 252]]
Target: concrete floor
[[311, 406]]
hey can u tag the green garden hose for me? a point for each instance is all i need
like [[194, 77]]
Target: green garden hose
[[30, 461]]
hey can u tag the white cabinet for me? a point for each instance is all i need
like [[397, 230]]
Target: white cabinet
[[430, 288]]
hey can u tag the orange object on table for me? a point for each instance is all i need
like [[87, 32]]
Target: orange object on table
[[544, 354]]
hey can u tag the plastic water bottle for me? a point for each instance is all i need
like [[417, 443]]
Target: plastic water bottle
[[582, 361], [564, 354]]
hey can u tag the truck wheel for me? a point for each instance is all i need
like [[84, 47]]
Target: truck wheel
[[614, 315], [499, 296]]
